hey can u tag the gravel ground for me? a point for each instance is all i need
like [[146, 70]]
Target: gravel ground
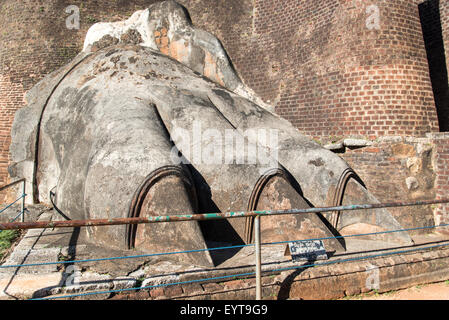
[[432, 291]]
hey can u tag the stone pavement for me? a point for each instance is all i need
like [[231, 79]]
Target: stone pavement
[[67, 244]]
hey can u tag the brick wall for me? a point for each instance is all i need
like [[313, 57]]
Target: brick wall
[[330, 75], [11, 98]]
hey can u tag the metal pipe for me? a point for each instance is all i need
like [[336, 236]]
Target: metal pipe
[[258, 258], [204, 216], [23, 180], [11, 204], [12, 184], [23, 201]]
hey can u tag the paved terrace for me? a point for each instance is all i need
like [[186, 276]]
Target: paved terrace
[[282, 278]]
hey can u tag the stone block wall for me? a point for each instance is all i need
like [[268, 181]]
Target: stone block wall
[[399, 169], [441, 167], [407, 169]]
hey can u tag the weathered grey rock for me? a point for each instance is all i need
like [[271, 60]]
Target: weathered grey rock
[[159, 280], [425, 147], [412, 183], [414, 164], [334, 146], [356, 143], [390, 139], [124, 283], [87, 281], [104, 133], [137, 274]]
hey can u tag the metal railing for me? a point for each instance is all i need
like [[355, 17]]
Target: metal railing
[[22, 197], [214, 216], [206, 216]]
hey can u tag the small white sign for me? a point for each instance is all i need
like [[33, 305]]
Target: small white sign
[[309, 250]]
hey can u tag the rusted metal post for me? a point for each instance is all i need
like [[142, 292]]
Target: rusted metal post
[[258, 258], [23, 201]]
